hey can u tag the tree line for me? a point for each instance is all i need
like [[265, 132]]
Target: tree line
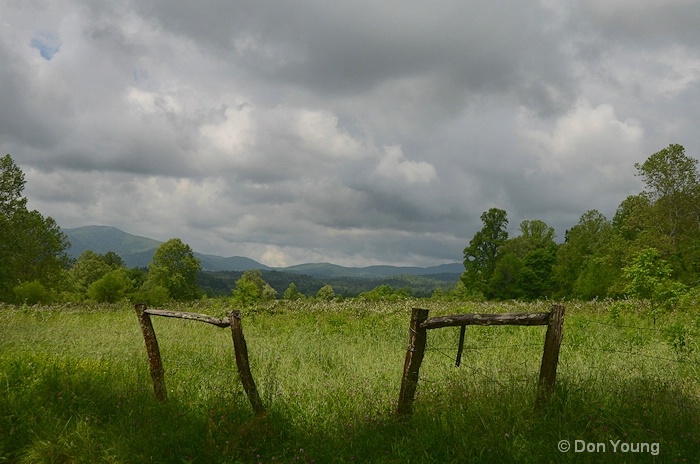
[[650, 249]]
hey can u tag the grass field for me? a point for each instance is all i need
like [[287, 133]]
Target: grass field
[[75, 387]]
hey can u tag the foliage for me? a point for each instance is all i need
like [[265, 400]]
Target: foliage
[[32, 293], [251, 289], [222, 283], [601, 258], [291, 293], [152, 295], [111, 287], [523, 265], [88, 268], [650, 278], [325, 293], [175, 268], [673, 187], [32, 247], [647, 273], [385, 293], [480, 257]]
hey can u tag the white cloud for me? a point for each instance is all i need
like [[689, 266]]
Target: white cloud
[[274, 257], [228, 139], [394, 165], [320, 133], [587, 138]]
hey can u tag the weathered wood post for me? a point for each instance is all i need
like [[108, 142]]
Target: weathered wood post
[[241, 350], [154, 361], [417, 336], [460, 347], [550, 355]]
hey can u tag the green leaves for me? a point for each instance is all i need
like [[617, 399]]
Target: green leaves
[[481, 255], [32, 248], [251, 289], [174, 267], [11, 187], [646, 273], [650, 278]]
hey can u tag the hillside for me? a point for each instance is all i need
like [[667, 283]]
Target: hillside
[[137, 251]]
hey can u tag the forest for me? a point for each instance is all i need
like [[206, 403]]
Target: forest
[[650, 249]]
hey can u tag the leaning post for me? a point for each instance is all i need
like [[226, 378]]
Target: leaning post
[[241, 350], [154, 361], [417, 336], [550, 356]]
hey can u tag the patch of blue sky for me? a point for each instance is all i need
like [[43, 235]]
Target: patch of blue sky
[[48, 45]]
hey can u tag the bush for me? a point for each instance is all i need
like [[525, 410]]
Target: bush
[[152, 295], [251, 289], [111, 287], [325, 293], [32, 293]]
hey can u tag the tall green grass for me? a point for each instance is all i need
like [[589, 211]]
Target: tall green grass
[[74, 386]]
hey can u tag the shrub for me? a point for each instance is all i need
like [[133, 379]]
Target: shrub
[[111, 287], [32, 293], [251, 289]]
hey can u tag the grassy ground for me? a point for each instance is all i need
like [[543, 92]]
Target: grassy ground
[[74, 387]]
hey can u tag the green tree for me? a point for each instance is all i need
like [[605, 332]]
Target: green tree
[[524, 267], [113, 260], [88, 268], [251, 288], [633, 217], [325, 293], [481, 255], [11, 187], [111, 287], [174, 267], [32, 293], [385, 293], [650, 278], [673, 187], [32, 247], [583, 268], [506, 278], [291, 293]]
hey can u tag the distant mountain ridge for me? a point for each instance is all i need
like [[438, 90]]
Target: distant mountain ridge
[[137, 251]]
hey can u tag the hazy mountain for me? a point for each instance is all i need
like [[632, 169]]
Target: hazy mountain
[[135, 251], [138, 251]]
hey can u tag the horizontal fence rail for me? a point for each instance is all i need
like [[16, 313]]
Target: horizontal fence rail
[[486, 319], [225, 322], [417, 339], [239, 345]]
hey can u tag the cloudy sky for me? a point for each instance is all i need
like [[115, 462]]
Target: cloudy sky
[[353, 132]]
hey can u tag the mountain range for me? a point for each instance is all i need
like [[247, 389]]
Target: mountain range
[[137, 251]]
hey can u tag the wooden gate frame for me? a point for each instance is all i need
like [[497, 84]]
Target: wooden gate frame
[[241, 350], [417, 338]]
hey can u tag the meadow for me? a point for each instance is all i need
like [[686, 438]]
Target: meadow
[[75, 386]]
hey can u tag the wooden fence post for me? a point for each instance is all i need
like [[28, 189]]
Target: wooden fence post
[[154, 361], [550, 356], [460, 347], [241, 350], [417, 336]]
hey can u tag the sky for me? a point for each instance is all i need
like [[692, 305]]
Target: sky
[[356, 133]]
